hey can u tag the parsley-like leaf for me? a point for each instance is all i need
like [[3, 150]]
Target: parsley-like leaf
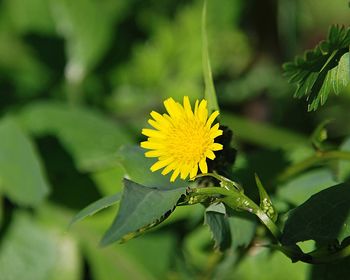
[[324, 69]]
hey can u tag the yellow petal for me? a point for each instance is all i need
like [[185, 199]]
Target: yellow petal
[[160, 164], [152, 133], [185, 170], [154, 153], [212, 118], [175, 175], [194, 171], [172, 107], [151, 145], [163, 122], [168, 169], [203, 111], [187, 106], [216, 147], [203, 166], [209, 154]]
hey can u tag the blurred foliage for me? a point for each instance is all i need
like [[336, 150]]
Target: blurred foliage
[[77, 81]]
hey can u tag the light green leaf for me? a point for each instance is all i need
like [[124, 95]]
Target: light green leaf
[[300, 188], [263, 134], [323, 218], [210, 94], [91, 138], [87, 34], [22, 178], [264, 265], [27, 252], [29, 16], [140, 207], [215, 217], [95, 207]]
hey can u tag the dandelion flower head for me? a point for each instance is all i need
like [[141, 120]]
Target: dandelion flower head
[[182, 139]]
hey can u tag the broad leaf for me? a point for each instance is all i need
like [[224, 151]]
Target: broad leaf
[[137, 168], [263, 134], [300, 188], [140, 208], [90, 137], [215, 217], [27, 252], [323, 69], [96, 207], [263, 264], [243, 227], [324, 217], [22, 178]]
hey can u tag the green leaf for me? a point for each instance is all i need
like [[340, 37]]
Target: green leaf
[[301, 187], [323, 69], [22, 178], [264, 265], [27, 252], [243, 226], [95, 207], [324, 217], [91, 138], [137, 168], [263, 134], [140, 207], [215, 217], [210, 94], [87, 34]]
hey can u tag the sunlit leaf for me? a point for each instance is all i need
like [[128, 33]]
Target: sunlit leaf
[[323, 69], [90, 137]]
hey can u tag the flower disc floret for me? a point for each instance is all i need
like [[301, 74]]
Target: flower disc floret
[[182, 139]]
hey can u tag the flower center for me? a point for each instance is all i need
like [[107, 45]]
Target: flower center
[[188, 141]]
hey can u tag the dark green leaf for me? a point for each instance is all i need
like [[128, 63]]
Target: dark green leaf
[[90, 137], [27, 252], [324, 217], [215, 217], [96, 207], [140, 207], [330, 271], [137, 167], [323, 69], [22, 178]]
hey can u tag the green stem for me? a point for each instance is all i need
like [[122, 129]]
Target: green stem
[[239, 201], [319, 157]]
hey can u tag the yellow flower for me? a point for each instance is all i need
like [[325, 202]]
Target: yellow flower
[[182, 139]]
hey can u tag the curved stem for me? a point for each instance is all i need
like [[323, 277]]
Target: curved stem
[[312, 160], [237, 200]]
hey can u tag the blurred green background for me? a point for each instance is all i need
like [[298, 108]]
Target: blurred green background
[[77, 82]]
